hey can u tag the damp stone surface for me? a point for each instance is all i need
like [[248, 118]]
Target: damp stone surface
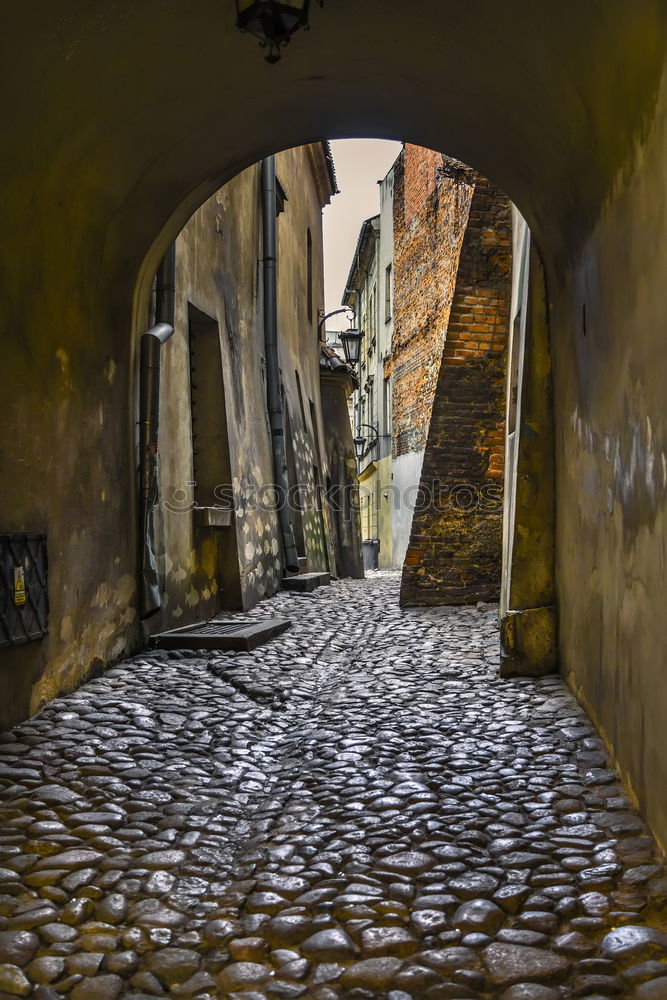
[[362, 808]]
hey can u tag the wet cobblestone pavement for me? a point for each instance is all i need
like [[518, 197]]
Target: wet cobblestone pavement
[[360, 809]]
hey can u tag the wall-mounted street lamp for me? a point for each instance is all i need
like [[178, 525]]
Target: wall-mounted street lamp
[[362, 446], [350, 339], [273, 22]]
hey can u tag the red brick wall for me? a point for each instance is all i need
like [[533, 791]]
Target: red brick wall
[[454, 555], [432, 196]]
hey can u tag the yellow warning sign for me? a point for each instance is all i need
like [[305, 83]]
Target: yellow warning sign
[[19, 586]]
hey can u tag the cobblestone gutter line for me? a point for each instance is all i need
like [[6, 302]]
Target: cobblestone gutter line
[[360, 809]]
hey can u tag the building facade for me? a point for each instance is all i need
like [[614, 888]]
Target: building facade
[[222, 541], [338, 381], [430, 213], [206, 513], [429, 283], [454, 554], [361, 294], [215, 441], [369, 292]]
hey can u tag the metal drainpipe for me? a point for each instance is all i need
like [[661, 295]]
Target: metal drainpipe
[[274, 396], [150, 600], [357, 314], [165, 288]]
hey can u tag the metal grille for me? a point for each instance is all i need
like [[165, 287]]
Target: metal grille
[[234, 633], [23, 588], [216, 627]]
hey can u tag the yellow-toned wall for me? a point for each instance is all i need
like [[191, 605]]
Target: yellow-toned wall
[[368, 488], [385, 511], [91, 521], [611, 456], [218, 271]]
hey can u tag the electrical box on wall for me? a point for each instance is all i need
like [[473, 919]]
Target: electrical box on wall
[[24, 607]]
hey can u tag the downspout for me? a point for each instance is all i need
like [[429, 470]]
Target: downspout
[[357, 314], [274, 396], [165, 288], [149, 420]]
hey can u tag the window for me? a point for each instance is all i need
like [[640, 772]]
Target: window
[[309, 274], [370, 403], [386, 416], [387, 293], [374, 314], [298, 386]]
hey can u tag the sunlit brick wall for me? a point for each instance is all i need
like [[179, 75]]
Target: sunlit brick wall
[[430, 213], [454, 555]]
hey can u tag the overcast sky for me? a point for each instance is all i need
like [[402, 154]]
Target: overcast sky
[[360, 164]]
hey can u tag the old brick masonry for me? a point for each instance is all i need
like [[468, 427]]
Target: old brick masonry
[[454, 554]]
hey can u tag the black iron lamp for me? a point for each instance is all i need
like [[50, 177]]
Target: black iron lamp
[[273, 22], [362, 446], [351, 341], [359, 447]]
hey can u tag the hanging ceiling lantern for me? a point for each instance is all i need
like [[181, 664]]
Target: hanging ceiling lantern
[[351, 341], [272, 21]]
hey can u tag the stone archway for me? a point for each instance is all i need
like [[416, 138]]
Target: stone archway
[[124, 117]]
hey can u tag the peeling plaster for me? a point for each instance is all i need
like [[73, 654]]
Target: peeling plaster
[[636, 465]]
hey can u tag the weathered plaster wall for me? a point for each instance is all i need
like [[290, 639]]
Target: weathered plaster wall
[[365, 292], [297, 171], [515, 357], [384, 512], [218, 271], [528, 612], [64, 470], [344, 490], [92, 582], [405, 497], [385, 306], [609, 328]]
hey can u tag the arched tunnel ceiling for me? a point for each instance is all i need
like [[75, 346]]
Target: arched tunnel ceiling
[[123, 116]]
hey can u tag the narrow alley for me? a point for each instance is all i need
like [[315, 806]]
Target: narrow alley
[[362, 808]]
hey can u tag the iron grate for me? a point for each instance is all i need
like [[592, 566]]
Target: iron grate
[[24, 605], [234, 634], [215, 627]]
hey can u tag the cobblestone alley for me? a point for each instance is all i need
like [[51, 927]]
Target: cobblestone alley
[[362, 808]]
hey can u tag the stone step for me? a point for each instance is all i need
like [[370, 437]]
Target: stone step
[[240, 634], [305, 583]]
